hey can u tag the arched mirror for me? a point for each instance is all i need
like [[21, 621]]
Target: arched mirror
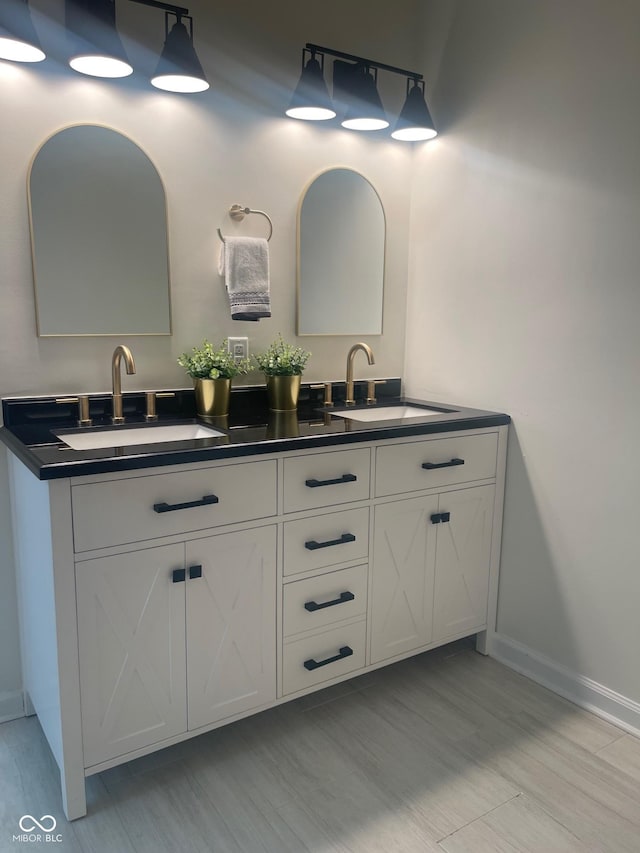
[[99, 236], [341, 240]]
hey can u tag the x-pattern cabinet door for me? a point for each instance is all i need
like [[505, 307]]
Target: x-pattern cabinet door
[[231, 624], [403, 574], [431, 568], [131, 628], [463, 558]]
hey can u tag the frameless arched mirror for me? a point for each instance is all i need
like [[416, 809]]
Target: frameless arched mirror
[[98, 236], [341, 236]]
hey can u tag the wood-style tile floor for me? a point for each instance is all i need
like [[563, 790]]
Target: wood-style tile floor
[[449, 752]]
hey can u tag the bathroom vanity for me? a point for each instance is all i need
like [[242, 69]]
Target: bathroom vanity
[[170, 588]]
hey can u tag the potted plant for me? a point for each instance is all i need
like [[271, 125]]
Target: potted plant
[[283, 365], [212, 371]]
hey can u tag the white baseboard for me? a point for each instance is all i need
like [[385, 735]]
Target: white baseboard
[[11, 705], [582, 691]]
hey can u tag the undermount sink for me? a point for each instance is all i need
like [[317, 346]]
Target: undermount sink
[[390, 413], [119, 436]]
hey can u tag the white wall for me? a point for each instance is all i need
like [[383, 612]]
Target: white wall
[[524, 297], [231, 144]]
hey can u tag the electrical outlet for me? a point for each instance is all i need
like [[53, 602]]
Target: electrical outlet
[[239, 348]]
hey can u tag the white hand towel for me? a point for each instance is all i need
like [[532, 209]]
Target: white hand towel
[[244, 262]]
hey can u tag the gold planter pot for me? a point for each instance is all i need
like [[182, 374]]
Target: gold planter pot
[[283, 393], [212, 397]]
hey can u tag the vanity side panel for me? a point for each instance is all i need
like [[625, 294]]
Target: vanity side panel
[[34, 560], [47, 601], [485, 639]]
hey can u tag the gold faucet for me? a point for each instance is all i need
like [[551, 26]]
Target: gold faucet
[[119, 353], [366, 349]]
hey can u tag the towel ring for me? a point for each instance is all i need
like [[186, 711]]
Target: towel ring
[[237, 211]]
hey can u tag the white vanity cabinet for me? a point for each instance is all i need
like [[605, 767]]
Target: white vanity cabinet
[[432, 554], [148, 606], [174, 637], [159, 603]]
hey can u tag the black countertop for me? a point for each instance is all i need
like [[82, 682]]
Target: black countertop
[[250, 429]]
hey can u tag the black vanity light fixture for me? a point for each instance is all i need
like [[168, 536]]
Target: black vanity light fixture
[[96, 47], [19, 41], [356, 97], [99, 51]]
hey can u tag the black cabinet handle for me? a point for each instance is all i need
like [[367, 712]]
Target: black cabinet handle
[[205, 500], [312, 606], [178, 575], [344, 652], [346, 478], [437, 517], [312, 545], [431, 465], [195, 572]]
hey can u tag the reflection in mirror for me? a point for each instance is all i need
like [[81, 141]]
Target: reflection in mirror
[[341, 236], [98, 236]]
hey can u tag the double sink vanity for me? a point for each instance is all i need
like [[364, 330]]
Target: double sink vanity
[[177, 575]]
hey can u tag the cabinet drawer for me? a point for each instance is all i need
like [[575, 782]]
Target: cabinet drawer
[[116, 512], [434, 463], [325, 540], [325, 479], [337, 652], [314, 603]]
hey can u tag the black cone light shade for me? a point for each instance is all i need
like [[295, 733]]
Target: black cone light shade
[[311, 101], [96, 47], [19, 41], [365, 110], [414, 122], [179, 69]]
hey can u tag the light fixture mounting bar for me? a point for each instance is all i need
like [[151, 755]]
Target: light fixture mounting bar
[[369, 63], [178, 11]]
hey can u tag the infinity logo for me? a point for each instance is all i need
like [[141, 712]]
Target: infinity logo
[[42, 824]]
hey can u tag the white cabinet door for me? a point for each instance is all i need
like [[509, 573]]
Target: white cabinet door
[[463, 560], [231, 624], [131, 628], [402, 576]]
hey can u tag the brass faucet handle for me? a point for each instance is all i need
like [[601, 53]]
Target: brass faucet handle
[[371, 389], [327, 388], [150, 398], [84, 418], [328, 400]]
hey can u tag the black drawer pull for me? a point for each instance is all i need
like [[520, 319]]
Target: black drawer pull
[[437, 517], [346, 478], [431, 465], [344, 652], [178, 575], [195, 572], [312, 545], [312, 606], [204, 501]]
